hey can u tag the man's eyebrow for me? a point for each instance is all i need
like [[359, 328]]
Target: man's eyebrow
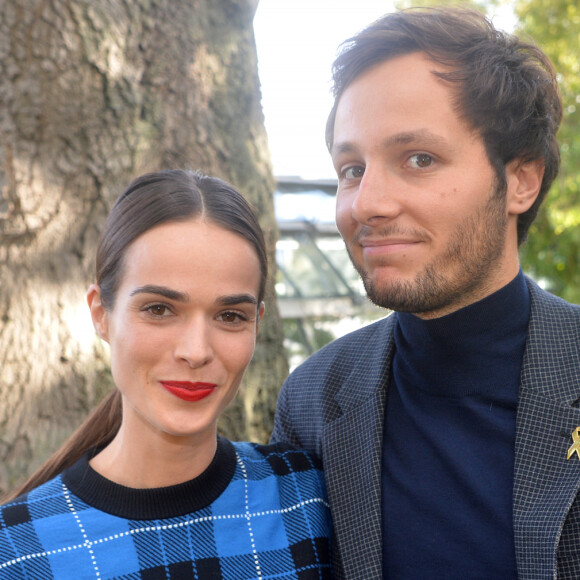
[[234, 299], [161, 291], [422, 136], [342, 147]]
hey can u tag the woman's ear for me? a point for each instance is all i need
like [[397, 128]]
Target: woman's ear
[[261, 310], [98, 312], [524, 180]]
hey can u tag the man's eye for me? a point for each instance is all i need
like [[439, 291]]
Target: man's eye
[[420, 160], [354, 172]]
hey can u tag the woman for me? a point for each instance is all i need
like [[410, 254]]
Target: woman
[[146, 488]]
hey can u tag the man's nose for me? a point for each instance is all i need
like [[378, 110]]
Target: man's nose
[[377, 198]]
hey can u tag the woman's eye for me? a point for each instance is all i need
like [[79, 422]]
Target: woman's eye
[[158, 310], [354, 172], [231, 317], [420, 160]]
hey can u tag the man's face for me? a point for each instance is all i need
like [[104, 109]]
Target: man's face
[[424, 219]]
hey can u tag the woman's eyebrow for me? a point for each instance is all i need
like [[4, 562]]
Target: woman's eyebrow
[[237, 299], [161, 291], [183, 297]]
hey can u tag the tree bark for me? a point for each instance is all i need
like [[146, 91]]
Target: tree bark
[[94, 93]]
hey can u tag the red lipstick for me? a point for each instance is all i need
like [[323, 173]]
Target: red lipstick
[[189, 391]]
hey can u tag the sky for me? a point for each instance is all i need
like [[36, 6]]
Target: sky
[[297, 41]]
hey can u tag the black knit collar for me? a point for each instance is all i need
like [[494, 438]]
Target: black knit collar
[[158, 503]]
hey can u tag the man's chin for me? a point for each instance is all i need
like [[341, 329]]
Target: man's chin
[[402, 295], [391, 294]]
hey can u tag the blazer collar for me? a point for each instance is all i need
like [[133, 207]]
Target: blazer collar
[[352, 450], [370, 370]]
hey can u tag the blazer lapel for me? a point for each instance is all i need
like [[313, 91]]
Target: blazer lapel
[[545, 482], [352, 453]]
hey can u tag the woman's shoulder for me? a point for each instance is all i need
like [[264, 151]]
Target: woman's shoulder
[[282, 458], [282, 467], [22, 517], [44, 492], [280, 478]]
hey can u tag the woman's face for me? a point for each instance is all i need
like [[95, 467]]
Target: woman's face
[[183, 327]]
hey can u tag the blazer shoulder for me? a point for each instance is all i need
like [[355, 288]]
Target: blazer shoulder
[[551, 365], [548, 308], [354, 365], [367, 343]]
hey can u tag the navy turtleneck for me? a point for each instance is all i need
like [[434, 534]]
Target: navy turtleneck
[[448, 449]]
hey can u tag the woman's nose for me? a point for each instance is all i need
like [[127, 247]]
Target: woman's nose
[[194, 344]]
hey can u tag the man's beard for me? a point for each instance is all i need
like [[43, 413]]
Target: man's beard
[[472, 254]]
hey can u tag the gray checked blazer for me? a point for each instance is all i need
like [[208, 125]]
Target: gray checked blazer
[[333, 405]]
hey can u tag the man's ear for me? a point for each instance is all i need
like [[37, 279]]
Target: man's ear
[[524, 180], [98, 312]]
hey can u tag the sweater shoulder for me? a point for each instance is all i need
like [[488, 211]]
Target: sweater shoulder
[[46, 491], [277, 460]]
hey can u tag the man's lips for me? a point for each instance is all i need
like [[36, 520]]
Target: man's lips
[[189, 391], [373, 247]]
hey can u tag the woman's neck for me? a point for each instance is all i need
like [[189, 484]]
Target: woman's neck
[[154, 460]]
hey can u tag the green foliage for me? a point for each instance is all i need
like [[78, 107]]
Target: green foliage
[[553, 251], [479, 4]]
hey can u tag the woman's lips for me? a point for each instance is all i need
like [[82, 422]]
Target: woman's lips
[[188, 391]]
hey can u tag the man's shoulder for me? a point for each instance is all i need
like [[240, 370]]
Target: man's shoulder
[[553, 345], [344, 372], [366, 343], [548, 307]]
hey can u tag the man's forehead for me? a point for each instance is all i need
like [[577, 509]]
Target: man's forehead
[[390, 76]]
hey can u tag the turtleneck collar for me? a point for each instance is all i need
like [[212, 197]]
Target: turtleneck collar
[[469, 351]]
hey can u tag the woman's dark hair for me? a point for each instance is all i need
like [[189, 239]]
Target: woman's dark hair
[[171, 196], [505, 88], [149, 201]]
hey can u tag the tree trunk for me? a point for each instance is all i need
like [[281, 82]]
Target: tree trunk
[[94, 93]]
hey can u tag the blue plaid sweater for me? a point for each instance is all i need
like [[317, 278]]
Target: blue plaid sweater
[[256, 512]]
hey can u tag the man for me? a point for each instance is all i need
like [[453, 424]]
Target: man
[[448, 430]]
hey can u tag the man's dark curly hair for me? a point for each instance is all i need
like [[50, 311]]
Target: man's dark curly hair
[[505, 88]]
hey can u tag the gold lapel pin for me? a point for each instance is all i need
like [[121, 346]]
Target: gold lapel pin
[[575, 447]]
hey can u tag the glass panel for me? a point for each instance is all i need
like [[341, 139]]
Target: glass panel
[[304, 271]]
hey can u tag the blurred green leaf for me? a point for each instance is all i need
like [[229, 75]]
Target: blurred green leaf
[[552, 253]]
